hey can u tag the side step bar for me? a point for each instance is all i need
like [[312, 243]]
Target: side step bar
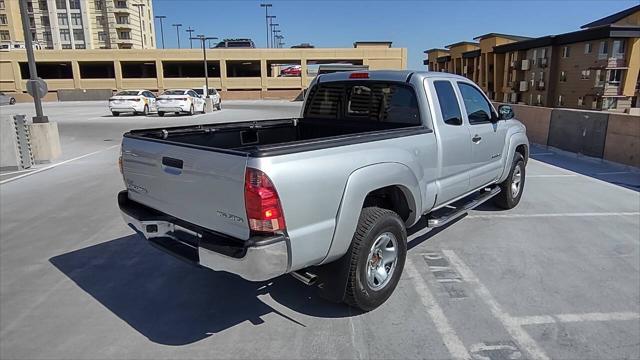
[[447, 214]]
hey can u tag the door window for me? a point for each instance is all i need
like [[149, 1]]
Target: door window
[[478, 108], [449, 106]]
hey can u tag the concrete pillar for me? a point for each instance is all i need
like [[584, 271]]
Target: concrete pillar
[[118, 74], [160, 75], [45, 141], [17, 76], [263, 75], [75, 69], [304, 72], [223, 74]]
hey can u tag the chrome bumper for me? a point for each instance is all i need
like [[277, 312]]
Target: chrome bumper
[[256, 259]]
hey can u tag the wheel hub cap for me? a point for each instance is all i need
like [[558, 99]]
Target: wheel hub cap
[[382, 260], [516, 181]]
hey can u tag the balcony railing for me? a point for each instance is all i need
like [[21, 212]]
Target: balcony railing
[[615, 62]]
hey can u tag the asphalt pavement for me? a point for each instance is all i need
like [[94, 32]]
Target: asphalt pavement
[[558, 277]]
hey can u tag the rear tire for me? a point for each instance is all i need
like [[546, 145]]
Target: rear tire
[[12, 101], [513, 186], [377, 255], [161, 113], [191, 110], [145, 111], [219, 106], [115, 113]]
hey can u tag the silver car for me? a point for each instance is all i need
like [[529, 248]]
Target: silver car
[[6, 99]]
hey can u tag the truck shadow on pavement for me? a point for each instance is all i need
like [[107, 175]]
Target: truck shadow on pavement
[[174, 303]]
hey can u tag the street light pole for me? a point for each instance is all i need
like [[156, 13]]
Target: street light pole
[[203, 39], [177, 33], [190, 31], [140, 6], [269, 33], [275, 33], [33, 72], [266, 18], [161, 29]]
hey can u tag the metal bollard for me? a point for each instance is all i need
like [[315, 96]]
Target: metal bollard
[[23, 141]]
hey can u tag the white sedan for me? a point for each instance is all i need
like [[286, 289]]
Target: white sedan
[[132, 101], [180, 101]]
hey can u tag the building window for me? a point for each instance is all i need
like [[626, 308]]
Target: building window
[[78, 34], [99, 4], [45, 21], [125, 35], [144, 26], [121, 4], [66, 46], [587, 48], [3, 19], [42, 4], [122, 19], [615, 76], [65, 35], [76, 19], [1, 4], [102, 36], [563, 76], [47, 36], [603, 49], [74, 4], [580, 101], [81, 46], [100, 20], [61, 4], [617, 50], [29, 6], [538, 99], [584, 75], [565, 52], [32, 22], [610, 103], [62, 19], [560, 100], [4, 35]]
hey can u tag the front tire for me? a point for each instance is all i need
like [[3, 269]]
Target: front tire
[[161, 113], [115, 113], [219, 106], [12, 101], [513, 186], [378, 252], [191, 110], [145, 111]]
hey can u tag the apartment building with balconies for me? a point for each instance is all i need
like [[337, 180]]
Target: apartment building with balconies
[[593, 68], [81, 24]]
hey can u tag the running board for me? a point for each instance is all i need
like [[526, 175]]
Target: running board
[[447, 214]]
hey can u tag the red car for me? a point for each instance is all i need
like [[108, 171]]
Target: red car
[[295, 70]]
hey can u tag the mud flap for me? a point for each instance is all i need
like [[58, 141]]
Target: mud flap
[[332, 279]]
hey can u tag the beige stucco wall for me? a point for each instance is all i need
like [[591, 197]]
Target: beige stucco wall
[[622, 143]]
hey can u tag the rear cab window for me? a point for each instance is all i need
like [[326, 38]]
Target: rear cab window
[[449, 106], [387, 103]]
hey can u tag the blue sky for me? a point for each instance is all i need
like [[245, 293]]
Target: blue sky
[[416, 25]]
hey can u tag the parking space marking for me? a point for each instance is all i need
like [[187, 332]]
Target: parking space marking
[[56, 165], [552, 176], [449, 337], [510, 324], [514, 216], [550, 319], [614, 173], [15, 172]]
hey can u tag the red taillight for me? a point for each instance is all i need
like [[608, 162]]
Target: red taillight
[[357, 75], [262, 202]]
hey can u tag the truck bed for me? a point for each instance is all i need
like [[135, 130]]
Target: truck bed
[[271, 137]]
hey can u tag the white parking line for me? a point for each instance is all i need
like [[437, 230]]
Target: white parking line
[[449, 337], [550, 319], [520, 216], [552, 176], [510, 324], [56, 164], [613, 173], [15, 172]]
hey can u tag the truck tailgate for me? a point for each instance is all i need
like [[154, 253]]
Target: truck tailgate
[[203, 187]]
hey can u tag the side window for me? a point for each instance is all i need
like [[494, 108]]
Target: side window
[[192, 93], [449, 106], [478, 109]]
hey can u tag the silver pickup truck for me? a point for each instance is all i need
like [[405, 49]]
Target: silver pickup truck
[[327, 197]]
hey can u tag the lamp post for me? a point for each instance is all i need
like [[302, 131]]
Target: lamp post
[[190, 31], [269, 33], [177, 33], [203, 39], [33, 72], [273, 34], [161, 17], [276, 33], [140, 6], [266, 18]]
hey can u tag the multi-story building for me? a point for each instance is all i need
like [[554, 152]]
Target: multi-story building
[[593, 68], [81, 24]]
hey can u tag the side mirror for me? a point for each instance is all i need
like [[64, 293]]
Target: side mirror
[[505, 112]]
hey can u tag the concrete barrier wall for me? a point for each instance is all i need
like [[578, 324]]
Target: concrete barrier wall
[[622, 142], [610, 136], [84, 94]]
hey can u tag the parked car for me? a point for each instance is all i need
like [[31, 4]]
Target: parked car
[[132, 101], [213, 94], [328, 197], [293, 70], [236, 43], [6, 99], [180, 101]]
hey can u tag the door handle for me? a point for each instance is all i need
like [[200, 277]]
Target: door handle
[[476, 138]]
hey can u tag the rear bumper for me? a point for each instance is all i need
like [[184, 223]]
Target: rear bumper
[[173, 108], [256, 259]]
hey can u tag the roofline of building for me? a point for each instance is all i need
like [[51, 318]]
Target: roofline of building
[[356, 43], [435, 49], [506, 36], [442, 59], [601, 32], [471, 54], [460, 43], [607, 20]]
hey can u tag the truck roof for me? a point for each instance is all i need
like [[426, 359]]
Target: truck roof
[[387, 75]]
